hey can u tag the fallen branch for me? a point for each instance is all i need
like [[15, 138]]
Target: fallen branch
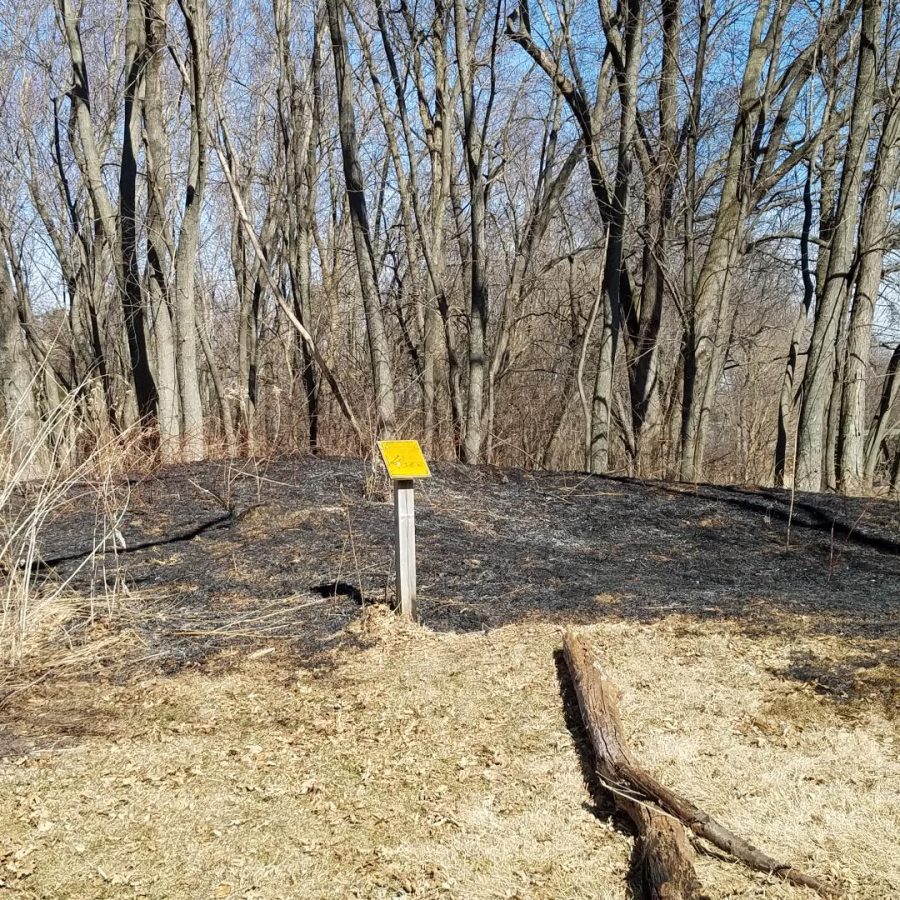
[[641, 797], [665, 858]]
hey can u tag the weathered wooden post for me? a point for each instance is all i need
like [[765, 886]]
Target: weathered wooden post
[[405, 463]]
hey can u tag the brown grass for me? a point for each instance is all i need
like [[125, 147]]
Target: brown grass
[[438, 765], [37, 487]]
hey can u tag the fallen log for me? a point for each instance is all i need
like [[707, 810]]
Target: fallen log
[[664, 858], [645, 801]]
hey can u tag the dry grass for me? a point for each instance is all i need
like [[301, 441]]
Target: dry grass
[[35, 487], [439, 765]]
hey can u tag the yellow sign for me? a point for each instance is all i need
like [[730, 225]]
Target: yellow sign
[[404, 459]]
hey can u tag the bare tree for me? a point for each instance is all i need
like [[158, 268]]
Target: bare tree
[[856, 469], [474, 133], [362, 238], [196, 78], [129, 277], [830, 307], [223, 236], [18, 411]]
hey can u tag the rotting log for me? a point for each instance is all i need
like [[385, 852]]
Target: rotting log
[[641, 797], [663, 856]]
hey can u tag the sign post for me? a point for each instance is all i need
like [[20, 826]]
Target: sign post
[[405, 463]]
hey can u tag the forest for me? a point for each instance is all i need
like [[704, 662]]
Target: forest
[[651, 237]]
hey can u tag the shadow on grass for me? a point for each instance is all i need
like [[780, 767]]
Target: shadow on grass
[[602, 804], [49, 724], [871, 679], [809, 514], [333, 589]]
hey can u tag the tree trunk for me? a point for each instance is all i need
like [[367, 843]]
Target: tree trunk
[[786, 397], [820, 367], [601, 402], [282, 302], [757, 159], [160, 242], [874, 241], [709, 289], [362, 240], [879, 430], [833, 435], [218, 388], [473, 145], [88, 158], [196, 18], [645, 393], [19, 421], [132, 295]]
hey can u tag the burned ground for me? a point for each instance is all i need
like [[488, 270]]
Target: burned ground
[[212, 542]]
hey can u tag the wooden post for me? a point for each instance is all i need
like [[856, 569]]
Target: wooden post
[[405, 521]]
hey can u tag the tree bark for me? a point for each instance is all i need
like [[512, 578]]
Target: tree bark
[[362, 239], [786, 397], [586, 407], [133, 297], [661, 175], [873, 244], [711, 284], [19, 420], [88, 157], [160, 242], [626, 48], [196, 19], [878, 432], [218, 387], [473, 145], [820, 366], [304, 152]]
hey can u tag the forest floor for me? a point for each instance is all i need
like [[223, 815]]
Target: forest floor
[[245, 718]]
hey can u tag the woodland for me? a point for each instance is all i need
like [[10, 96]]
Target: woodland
[[650, 237]]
